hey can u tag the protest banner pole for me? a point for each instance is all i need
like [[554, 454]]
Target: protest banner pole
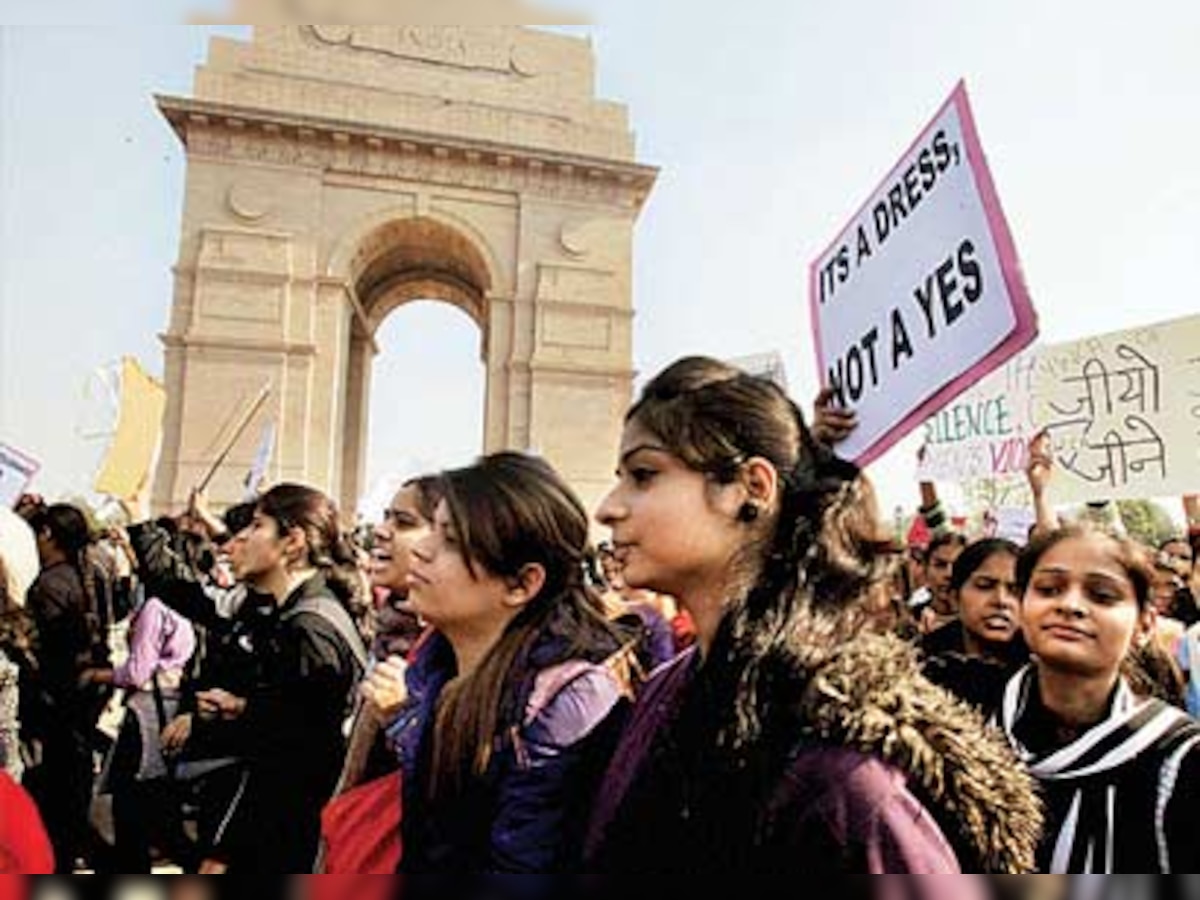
[[249, 414]]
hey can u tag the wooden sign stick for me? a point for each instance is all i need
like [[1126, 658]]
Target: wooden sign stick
[[255, 406]]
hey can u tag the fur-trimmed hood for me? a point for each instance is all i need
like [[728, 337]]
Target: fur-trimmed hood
[[868, 694]]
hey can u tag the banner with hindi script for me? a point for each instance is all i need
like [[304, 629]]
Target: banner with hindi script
[[980, 440], [984, 432], [1123, 412]]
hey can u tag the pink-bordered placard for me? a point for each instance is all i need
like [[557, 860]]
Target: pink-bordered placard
[[1025, 329]]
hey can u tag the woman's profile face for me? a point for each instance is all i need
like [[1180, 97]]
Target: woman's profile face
[[261, 550], [674, 530], [443, 590], [391, 553]]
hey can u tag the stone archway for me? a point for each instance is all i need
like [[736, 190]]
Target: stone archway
[[400, 262], [337, 173]]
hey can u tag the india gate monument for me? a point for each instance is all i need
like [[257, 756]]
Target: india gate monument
[[335, 173]]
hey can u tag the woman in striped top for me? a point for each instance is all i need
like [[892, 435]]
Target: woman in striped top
[[1120, 772]]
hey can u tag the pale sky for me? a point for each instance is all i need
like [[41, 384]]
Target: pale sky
[[770, 129]]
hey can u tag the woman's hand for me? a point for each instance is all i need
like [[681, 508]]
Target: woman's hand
[[201, 515], [1041, 463], [176, 735], [219, 703], [212, 867], [119, 538], [385, 689], [831, 424]]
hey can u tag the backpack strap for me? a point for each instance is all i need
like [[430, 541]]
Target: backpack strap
[[335, 614], [620, 667]]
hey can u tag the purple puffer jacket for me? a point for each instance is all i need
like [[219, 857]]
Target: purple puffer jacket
[[839, 807]]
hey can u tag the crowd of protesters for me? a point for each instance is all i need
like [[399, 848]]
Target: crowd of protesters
[[751, 675]]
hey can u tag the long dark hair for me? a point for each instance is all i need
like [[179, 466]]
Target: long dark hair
[[809, 574], [329, 552], [68, 528], [510, 510]]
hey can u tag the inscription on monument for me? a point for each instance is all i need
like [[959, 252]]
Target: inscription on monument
[[450, 45]]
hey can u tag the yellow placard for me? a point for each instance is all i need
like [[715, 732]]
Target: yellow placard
[[139, 428]]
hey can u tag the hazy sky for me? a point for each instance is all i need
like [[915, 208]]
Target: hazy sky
[[770, 131]]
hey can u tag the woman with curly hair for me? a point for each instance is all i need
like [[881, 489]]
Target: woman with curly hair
[[792, 739]]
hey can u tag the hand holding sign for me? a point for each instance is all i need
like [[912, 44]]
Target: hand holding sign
[[831, 424]]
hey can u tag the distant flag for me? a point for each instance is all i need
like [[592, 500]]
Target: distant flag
[[262, 461], [131, 454]]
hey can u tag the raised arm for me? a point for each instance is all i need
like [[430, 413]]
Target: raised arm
[[1039, 470]]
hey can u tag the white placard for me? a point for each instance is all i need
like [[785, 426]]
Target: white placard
[[920, 295], [1123, 413]]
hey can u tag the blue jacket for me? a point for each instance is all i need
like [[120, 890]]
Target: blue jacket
[[526, 814]]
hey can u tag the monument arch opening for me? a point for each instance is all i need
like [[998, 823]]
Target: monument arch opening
[[400, 264], [426, 399]]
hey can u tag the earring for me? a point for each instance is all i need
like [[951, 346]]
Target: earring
[[748, 513]]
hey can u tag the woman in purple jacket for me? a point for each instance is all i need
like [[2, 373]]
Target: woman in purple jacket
[[508, 710], [161, 643], [790, 740]]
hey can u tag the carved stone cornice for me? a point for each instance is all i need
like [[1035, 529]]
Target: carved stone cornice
[[289, 140], [174, 340]]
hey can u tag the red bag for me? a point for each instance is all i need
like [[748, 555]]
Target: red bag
[[360, 829]]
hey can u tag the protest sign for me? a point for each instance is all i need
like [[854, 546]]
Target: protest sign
[[139, 428], [1123, 412], [16, 472], [1108, 402], [921, 294], [983, 433]]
